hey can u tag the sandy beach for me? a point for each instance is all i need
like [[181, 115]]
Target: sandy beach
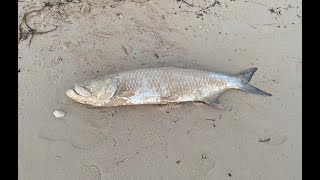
[[62, 42]]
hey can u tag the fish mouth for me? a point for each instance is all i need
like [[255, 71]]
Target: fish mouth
[[79, 93], [76, 97], [71, 93], [82, 91]]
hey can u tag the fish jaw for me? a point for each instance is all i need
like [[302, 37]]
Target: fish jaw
[[76, 97], [82, 91], [85, 100]]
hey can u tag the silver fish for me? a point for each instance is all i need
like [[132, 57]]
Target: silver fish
[[161, 86]]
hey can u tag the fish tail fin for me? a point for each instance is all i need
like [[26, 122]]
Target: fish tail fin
[[251, 89], [245, 77]]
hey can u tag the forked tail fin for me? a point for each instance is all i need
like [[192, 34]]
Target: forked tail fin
[[251, 89], [246, 76]]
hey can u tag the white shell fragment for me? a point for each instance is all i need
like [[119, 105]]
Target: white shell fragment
[[59, 114]]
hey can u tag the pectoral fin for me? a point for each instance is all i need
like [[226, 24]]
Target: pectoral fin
[[214, 102]]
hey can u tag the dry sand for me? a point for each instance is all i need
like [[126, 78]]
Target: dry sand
[[256, 138]]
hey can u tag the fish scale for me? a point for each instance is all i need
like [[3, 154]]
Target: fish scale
[[174, 80]]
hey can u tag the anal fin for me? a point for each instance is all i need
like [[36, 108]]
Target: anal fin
[[214, 102]]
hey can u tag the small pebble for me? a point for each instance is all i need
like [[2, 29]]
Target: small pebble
[[56, 61], [59, 114], [58, 157], [127, 49], [200, 27], [120, 15]]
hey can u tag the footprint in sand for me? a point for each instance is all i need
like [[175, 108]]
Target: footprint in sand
[[204, 163], [90, 172], [84, 138]]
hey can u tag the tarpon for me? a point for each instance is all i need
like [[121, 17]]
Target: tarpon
[[161, 86]]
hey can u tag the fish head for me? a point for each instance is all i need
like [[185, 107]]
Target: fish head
[[95, 92]]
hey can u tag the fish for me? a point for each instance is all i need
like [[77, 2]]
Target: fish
[[163, 85]]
